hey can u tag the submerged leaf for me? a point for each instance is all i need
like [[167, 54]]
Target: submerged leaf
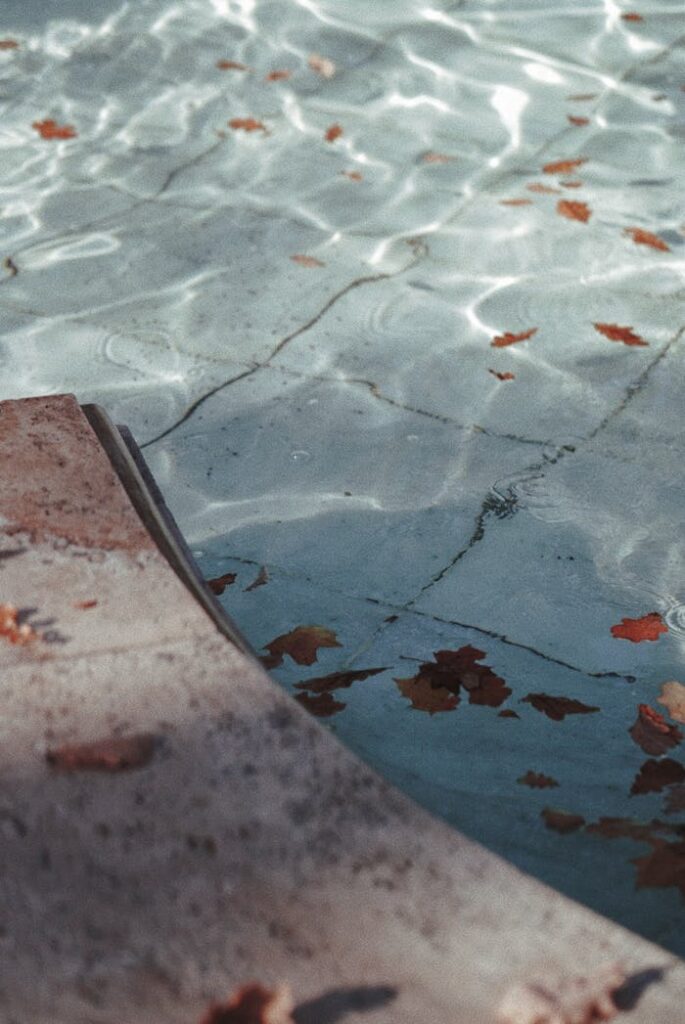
[[642, 237], [652, 732], [260, 579], [333, 132], [301, 644], [426, 695], [632, 16], [557, 708], [231, 65], [219, 583], [574, 210], [626, 828], [437, 158], [648, 627], [564, 166], [663, 868], [438, 683], [502, 340], [562, 821], [8, 44], [656, 775], [545, 190], [246, 124], [502, 375], [337, 680], [578, 121], [616, 333], [278, 76], [49, 129], [306, 261], [536, 780], [322, 705], [515, 202]]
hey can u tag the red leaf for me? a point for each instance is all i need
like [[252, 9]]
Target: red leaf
[[537, 781], [648, 627], [632, 16], [663, 868], [337, 680], [502, 376], [219, 583], [545, 190], [231, 65], [322, 705], [49, 129], [116, 754], [561, 821], [578, 121], [642, 237], [502, 340], [557, 708], [12, 630], [253, 1004], [278, 76], [301, 644], [260, 579], [8, 44], [652, 732], [615, 333], [656, 775], [573, 210], [333, 132], [307, 261], [515, 202], [246, 124], [438, 683], [564, 166]]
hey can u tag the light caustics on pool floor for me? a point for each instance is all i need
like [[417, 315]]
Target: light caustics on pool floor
[[391, 294]]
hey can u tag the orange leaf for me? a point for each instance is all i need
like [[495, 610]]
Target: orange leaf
[[301, 644], [632, 16], [557, 708], [278, 76], [19, 633], [322, 65], [649, 627], [656, 775], [615, 333], [501, 340], [307, 261], [49, 129], [562, 821], [8, 44], [663, 868], [231, 65], [652, 732], [642, 237], [502, 376], [353, 175], [515, 202], [333, 132], [574, 210], [546, 190], [536, 780], [437, 158], [337, 680], [219, 583], [117, 754], [246, 124], [253, 1004], [564, 166], [672, 697], [578, 121], [322, 705]]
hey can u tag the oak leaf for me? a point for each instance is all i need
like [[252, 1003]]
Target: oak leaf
[[114, 754], [652, 732], [672, 697], [616, 333], [322, 65], [536, 780], [663, 868], [8, 44], [564, 166], [322, 705], [333, 132], [578, 121], [502, 375], [438, 681], [557, 708], [246, 124], [306, 261], [253, 1004], [16, 632], [219, 583], [642, 237], [654, 776], [574, 210], [49, 129], [502, 340], [231, 65], [648, 627], [562, 821], [278, 76], [301, 644], [585, 999], [337, 680]]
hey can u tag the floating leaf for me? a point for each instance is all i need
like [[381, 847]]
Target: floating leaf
[[642, 237], [426, 695], [16, 632], [586, 999], [322, 705], [438, 683], [515, 202], [652, 732], [502, 340], [231, 65], [353, 175], [337, 680], [432, 157], [672, 697], [663, 868], [219, 583], [260, 579], [116, 754], [578, 121], [8, 44], [562, 821], [506, 375], [574, 210], [253, 1004], [536, 780], [246, 124], [648, 627], [564, 166], [49, 129], [301, 644], [278, 76], [632, 16], [656, 775], [322, 65], [333, 132], [616, 333], [557, 708], [545, 190], [306, 261]]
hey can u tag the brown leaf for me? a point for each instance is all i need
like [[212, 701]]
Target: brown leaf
[[672, 697], [545, 190], [653, 733], [663, 868], [506, 375], [502, 340], [322, 705], [8, 44], [12, 630], [426, 696], [616, 333], [115, 754], [301, 644], [562, 821], [574, 210], [575, 183], [642, 237], [557, 708], [49, 129], [306, 261], [656, 775], [322, 65], [260, 579], [648, 627], [578, 121], [253, 1004], [85, 605], [564, 166], [219, 583], [231, 65], [333, 132], [337, 680], [278, 76], [675, 801], [431, 688], [567, 1000], [246, 124], [626, 828], [437, 158], [515, 202], [353, 175], [536, 780], [632, 16]]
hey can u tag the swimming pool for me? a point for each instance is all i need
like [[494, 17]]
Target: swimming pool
[[392, 298]]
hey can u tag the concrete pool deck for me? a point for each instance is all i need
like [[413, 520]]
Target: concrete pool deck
[[174, 825]]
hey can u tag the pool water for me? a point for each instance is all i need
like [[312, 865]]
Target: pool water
[[391, 295]]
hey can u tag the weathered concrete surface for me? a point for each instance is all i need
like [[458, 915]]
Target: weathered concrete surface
[[251, 845]]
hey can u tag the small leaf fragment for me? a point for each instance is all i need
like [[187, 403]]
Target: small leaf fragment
[[557, 708], [672, 697], [432, 157], [253, 1004], [306, 261], [278, 76], [321, 705], [654, 776], [544, 190], [260, 579], [8, 44], [508, 713], [246, 124], [515, 202], [536, 780], [502, 340], [353, 175], [574, 210], [648, 627], [85, 605], [301, 644], [333, 132], [49, 129], [219, 583], [115, 754], [614, 332], [578, 121], [663, 868], [561, 821], [642, 237], [337, 680], [231, 65], [502, 375], [652, 732], [632, 16], [564, 166]]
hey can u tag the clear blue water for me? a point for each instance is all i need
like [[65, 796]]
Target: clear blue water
[[339, 420]]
